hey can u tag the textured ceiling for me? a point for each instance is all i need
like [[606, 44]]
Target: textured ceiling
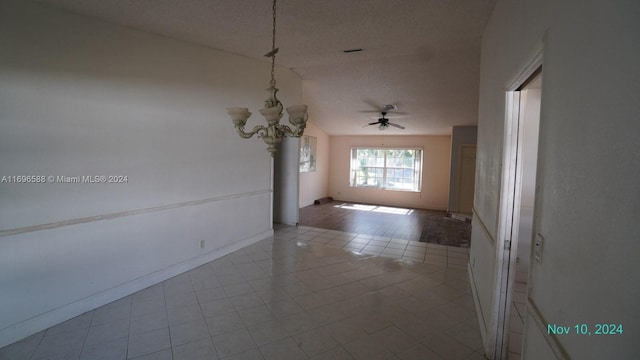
[[422, 55]]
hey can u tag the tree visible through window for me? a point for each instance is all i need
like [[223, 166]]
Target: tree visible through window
[[389, 169]]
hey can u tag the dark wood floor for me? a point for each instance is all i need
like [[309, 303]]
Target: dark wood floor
[[401, 223]]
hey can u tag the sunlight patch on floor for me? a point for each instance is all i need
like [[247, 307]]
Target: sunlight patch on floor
[[375, 208]]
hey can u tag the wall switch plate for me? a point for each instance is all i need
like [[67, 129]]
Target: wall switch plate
[[539, 241]]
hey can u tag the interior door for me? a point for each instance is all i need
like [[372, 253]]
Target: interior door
[[466, 182], [523, 130]]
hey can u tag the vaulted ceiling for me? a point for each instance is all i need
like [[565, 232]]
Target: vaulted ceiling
[[421, 55]]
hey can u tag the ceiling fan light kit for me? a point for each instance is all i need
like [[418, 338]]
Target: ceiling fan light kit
[[273, 133]]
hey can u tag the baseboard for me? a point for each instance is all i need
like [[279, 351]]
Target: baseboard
[[479, 313], [541, 323], [44, 321], [323, 200]]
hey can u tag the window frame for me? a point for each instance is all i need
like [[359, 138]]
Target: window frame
[[355, 166]]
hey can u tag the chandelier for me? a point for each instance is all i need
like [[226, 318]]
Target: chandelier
[[273, 133]]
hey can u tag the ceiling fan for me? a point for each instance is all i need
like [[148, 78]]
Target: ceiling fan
[[384, 123]]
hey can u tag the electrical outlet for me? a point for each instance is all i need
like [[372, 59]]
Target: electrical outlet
[[539, 242], [201, 244]]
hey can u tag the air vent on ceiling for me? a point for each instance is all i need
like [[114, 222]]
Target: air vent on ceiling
[[349, 51]]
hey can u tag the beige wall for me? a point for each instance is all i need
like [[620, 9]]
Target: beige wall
[[435, 178], [315, 185]]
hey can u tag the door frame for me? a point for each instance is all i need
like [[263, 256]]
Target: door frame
[[509, 213]]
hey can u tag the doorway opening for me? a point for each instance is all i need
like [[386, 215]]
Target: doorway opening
[[521, 156]]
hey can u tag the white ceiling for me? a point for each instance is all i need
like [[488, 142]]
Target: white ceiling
[[422, 55]]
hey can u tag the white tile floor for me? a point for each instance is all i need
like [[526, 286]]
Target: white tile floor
[[307, 293], [516, 320]]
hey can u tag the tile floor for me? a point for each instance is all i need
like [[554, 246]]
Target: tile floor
[[516, 320], [306, 293]]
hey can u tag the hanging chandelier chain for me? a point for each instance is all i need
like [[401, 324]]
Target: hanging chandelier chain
[[273, 46]]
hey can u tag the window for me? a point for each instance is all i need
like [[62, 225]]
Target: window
[[388, 169], [308, 153]]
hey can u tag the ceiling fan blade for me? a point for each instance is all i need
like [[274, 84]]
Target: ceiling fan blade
[[373, 123], [373, 104], [396, 125]]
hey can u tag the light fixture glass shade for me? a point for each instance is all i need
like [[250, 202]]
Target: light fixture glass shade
[[272, 115], [297, 114], [239, 115]]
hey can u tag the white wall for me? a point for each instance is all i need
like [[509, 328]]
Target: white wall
[[315, 185], [587, 197], [436, 160], [82, 97]]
